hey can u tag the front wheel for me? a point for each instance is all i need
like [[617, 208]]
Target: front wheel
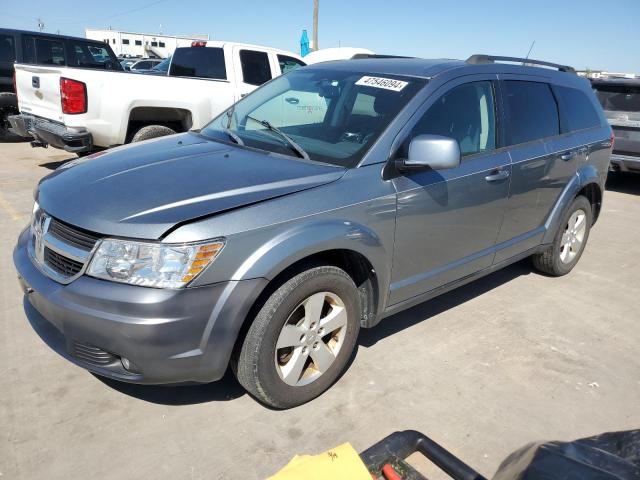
[[569, 242], [301, 339]]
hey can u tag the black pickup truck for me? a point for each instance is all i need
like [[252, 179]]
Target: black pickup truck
[[39, 48], [620, 99]]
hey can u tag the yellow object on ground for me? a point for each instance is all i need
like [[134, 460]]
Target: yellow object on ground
[[340, 463]]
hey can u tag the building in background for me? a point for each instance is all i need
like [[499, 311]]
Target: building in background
[[130, 44]]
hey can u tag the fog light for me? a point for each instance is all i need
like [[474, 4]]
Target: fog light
[[126, 363]]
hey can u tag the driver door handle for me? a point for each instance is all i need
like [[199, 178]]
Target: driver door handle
[[497, 175]]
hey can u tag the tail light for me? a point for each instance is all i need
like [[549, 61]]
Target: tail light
[[73, 95], [199, 43]]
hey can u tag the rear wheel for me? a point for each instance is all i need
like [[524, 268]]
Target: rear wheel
[[301, 339], [152, 131], [569, 242]]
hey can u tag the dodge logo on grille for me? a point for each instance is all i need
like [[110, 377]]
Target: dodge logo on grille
[[41, 226]]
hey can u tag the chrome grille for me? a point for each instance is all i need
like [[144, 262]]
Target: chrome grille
[[72, 235], [92, 354], [61, 264]]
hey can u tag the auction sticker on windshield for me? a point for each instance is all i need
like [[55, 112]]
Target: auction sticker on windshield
[[380, 82]]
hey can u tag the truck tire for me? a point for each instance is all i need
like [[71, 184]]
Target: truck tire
[[8, 106], [301, 339], [570, 240], [152, 131]]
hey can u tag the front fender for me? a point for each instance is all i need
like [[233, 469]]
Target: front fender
[[307, 239]]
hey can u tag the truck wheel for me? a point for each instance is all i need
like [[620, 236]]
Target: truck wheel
[[301, 339], [152, 131], [569, 242]]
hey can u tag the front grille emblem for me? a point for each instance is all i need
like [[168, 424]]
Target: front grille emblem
[[41, 226]]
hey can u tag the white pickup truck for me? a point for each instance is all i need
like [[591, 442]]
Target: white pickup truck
[[81, 110]]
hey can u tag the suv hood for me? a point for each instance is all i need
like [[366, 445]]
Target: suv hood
[[141, 191]]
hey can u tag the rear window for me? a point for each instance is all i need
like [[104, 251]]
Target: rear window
[[7, 49], [532, 109], [255, 67], [577, 108], [203, 62], [623, 98]]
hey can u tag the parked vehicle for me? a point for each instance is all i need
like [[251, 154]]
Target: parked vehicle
[[145, 64], [127, 62], [335, 53], [36, 48], [268, 238], [104, 109], [620, 99]]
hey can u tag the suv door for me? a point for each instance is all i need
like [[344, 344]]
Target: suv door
[[253, 68], [542, 161], [448, 220]]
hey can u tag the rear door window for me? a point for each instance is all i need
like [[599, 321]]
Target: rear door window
[[622, 98], [201, 62], [255, 67], [91, 55], [532, 111], [577, 109], [288, 63], [7, 49], [49, 52]]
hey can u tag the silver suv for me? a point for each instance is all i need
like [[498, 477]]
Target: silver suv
[[329, 199]]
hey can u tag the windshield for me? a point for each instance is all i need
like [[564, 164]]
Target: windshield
[[623, 98], [334, 116], [163, 66]]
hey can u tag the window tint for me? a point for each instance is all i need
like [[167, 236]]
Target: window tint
[[7, 50], [623, 98], [466, 114], [289, 63], [255, 67], [533, 112], [49, 52], [203, 62], [577, 108]]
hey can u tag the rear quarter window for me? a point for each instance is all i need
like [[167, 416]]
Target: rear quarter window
[[532, 111], [201, 62], [577, 109], [7, 49]]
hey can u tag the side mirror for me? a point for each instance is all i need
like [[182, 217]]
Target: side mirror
[[431, 151]]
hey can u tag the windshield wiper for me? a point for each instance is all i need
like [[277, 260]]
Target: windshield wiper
[[294, 146]]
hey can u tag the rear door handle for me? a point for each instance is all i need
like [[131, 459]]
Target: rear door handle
[[568, 156], [497, 175]]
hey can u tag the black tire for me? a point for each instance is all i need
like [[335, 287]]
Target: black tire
[[549, 261], [152, 131], [255, 364]]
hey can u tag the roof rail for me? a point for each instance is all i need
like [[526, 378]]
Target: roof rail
[[358, 56], [480, 59]]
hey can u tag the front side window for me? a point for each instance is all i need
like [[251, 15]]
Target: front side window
[[289, 63], [255, 67], [201, 62], [7, 50], [466, 113], [532, 111], [335, 116]]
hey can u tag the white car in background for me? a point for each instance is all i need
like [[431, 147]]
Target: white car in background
[[337, 53], [81, 110]]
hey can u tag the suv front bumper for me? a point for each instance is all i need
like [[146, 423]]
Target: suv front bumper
[[168, 336], [46, 132]]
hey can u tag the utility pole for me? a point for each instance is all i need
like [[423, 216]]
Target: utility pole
[[315, 24], [40, 25]]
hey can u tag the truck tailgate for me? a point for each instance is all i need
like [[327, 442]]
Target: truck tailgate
[[38, 91]]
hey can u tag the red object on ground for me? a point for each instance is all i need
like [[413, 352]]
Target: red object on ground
[[389, 473]]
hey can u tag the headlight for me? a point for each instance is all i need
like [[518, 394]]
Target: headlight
[[152, 264]]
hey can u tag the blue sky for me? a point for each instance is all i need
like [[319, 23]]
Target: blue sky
[[583, 33]]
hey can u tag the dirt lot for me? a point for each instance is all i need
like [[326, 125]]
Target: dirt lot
[[512, 358]]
